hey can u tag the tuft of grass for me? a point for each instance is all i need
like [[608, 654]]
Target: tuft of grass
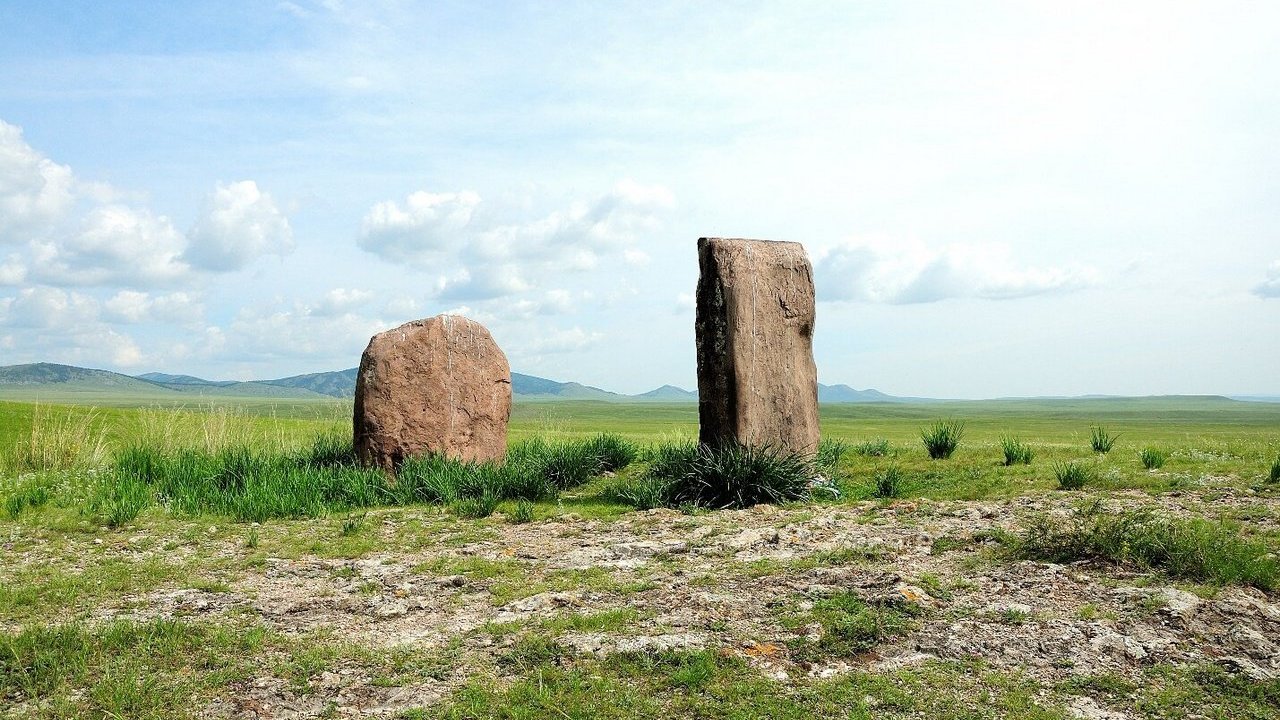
[[1152, 458], [60, 439], [611, 451], [877, 447], [30, 495], [890, 483], [117, 500], [1194, 549], [522, 512], [1100, 440], [1274, 477], [734, 476], [830, 452], [851, 625], [1072, 475], [1016, 452], [480, 506], [942, 438], [645, 492]]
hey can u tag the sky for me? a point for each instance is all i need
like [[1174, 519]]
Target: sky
[[999, 199]]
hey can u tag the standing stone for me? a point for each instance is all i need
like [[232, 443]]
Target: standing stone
[[757, 382], [440, 385]]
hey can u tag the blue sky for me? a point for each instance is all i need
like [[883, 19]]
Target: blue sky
[[998, 198]]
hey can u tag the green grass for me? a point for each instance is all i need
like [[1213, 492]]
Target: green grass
[[1274, 476], [733, 476], [1101, 440], [942, 438], [890, 483], [850, 625], [1016, 452], [1152, 458], [1073, 475], [1195, 549]]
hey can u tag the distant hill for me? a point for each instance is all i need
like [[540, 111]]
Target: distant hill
[[668, 393], [37, 377], [338, 383]]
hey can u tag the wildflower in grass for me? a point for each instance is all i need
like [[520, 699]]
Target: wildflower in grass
[[1100, 440], [942, 438], [1015, 451]]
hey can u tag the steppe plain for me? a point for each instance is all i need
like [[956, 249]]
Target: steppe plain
[[965, 588]]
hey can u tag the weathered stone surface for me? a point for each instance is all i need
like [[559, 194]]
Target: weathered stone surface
[[440, 385], [757, 382]]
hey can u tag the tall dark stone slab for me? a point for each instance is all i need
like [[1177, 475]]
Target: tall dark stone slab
[[757, 382]]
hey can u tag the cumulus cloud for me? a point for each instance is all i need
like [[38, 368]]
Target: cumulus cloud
[[339, 301], [34, 191], [12, 271], [53, 324], [418, 230], [1269, 288], [556, 342], [240, 224], [484, 282], [133, 307], [900, 273], [116, 245], [262, 334], [491, 261]]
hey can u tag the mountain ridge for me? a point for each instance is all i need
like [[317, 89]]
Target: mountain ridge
[[341, 384]]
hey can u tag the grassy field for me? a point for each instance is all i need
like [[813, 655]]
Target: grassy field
[[171, 606]]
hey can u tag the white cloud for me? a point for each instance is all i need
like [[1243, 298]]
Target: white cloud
[[556, 342], [134, 307], [484, 282], [905, 272], [487, 262], [12, 271], [47, 308], [35, 192], [57, 325], [240, 224], [339, 301], [417, 231], [1269, 288], [257, 335], [116, 245]]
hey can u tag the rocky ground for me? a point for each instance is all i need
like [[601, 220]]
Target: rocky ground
[[737, 582]]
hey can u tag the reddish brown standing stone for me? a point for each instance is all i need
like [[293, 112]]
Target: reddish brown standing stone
[[757, 382], [440, 385]]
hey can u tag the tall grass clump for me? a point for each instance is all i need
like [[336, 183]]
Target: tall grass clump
[[1072, 475], [1100, 440], [645, 492], [1152, 458], [1274, 477], [731, 475], [1016, 452], [611, 451], [255, 483], [830, 452], [942, 438], [63, 439], [890, 483], [877, 447], [29, 495], [1195, 549]]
